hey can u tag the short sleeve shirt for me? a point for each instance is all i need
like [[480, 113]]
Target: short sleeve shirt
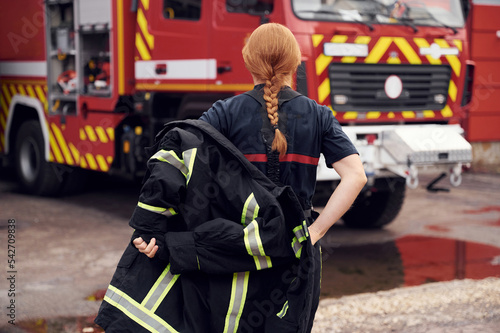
[[310, 129]]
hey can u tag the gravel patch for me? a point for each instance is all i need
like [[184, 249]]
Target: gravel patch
[[458, 306]]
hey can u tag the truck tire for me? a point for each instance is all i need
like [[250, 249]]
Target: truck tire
[[36, 176], [375, 209]]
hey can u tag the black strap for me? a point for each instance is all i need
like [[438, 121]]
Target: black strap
[[273, 158]]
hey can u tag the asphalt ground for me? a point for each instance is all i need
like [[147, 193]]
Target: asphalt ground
[[66, 249]]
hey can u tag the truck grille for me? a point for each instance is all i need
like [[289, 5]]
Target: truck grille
[[360, 87]]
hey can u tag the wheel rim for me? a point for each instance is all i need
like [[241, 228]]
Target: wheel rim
[[29, 159]]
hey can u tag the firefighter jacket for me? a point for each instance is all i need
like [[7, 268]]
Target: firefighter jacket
[[234, 250]]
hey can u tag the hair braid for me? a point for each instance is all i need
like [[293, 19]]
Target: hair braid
[[271, 90]]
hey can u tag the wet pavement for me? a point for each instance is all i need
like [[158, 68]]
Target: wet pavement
[[67, 248]]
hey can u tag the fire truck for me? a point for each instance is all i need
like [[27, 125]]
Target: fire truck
[[86, 84]]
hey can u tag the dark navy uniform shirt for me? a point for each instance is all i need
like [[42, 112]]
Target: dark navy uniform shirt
[[310, 129]]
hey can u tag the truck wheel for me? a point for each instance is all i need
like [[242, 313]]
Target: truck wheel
[[35, 175], [375, 209]]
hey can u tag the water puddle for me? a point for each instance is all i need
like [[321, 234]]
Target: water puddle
[[407, 261], [347, 270]]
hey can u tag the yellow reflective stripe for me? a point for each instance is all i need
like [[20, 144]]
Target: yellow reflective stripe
[[103, 164], [422, 43], [407, 50], [55, 148], [136, 311], [452, 91], [171, 157], [90, 133], [158, 210], [189, 157], [91, 161], [452, 59], [324, 90], [283, 311], [250, 210], [316, 39], [101, 134], [239, 290], [446, 112], [379, 50], [62, 143], [143, 25], [254, 246], [160, 289], [141, 47]]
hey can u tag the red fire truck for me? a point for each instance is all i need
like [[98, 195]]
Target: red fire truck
[[86, 84]]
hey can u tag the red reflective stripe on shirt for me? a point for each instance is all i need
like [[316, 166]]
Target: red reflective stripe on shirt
[[287, 158], [304, 159], [256, 157]]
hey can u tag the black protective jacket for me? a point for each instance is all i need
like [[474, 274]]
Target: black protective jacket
[[235, 254]]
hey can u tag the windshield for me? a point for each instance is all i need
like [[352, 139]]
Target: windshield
[[444, 13]]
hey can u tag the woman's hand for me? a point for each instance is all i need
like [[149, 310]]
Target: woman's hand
[[143, 247]]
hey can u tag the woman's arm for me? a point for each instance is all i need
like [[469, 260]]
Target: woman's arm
[[352, 180]]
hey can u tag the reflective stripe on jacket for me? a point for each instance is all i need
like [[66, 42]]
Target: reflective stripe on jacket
[[239, 255]]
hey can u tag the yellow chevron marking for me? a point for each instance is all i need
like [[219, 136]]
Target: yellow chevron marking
[[143, 25], [90, 133], [83, 136], [13, 90], [83, 162], [6, 93], [52, 141], [458, 43], [373, 115], [391, 115], [453, 60], [145, 4], [102, 163], [316, 39], [324, 90], [408, 114], [51, 157], [30, 91], [3, 123], [350, 115], [101, 134], [339, 39], [41, 97], [141, 47], [446, 112], [75, 152], [21, 90], [429, 114], [2, 143], [407, 50], [4, 105], [393, 60], [62, 143], [321, 63], [378, 50], [363, 40], [349, 59], [422, 43], [111, 133], [109, 159], [452, 91], [91, 161]]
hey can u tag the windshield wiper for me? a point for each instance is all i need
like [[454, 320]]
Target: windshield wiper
[[431, 17], [409, 22], [336, 14]]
